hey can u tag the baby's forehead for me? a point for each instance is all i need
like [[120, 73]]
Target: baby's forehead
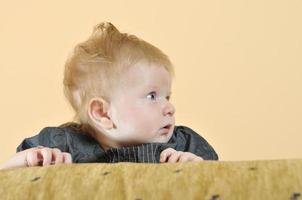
[[149, 75], [145, 87], [150, 83]]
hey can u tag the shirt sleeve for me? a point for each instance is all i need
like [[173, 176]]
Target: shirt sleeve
[[52, 137], [190, 141]]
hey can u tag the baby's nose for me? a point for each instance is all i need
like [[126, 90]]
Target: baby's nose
[[169, 109]]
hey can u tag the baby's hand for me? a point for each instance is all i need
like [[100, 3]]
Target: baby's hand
[[40, 155], [178, 156]]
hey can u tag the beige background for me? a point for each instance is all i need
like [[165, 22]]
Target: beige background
[[238, 67]]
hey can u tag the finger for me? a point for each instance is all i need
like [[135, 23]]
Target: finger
[[57, 156], [39, 155], [33, 158], [67, 157], [165, 154], [174, 157], [47, 156], [185, 157], [197, 158]]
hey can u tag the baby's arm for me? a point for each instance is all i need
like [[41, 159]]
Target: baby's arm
[[37, 156], [48, 146]]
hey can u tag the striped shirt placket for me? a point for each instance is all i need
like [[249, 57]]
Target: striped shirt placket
[[113, 155], [123, 152], [155, 152], [134, 153], [137, 152], [143, 154], [128, 154], [147, 154], [109, 155], [152, 153]]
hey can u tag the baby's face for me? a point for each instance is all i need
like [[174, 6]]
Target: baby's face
[[141, 108]]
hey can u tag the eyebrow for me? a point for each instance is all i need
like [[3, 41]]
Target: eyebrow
[[156, 87], [153, 86]]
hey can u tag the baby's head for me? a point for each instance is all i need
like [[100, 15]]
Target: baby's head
[[119, 86]]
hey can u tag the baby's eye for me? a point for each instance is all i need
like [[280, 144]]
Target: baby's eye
[[168, 98], [152, 95]]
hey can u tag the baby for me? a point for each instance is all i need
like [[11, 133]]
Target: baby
[[119, 87]]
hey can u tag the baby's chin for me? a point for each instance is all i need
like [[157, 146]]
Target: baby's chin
[[160, 136]]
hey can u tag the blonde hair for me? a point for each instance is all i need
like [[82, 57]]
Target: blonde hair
[[94, 66]]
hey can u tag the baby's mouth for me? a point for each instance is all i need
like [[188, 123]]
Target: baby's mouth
[[165, 130]]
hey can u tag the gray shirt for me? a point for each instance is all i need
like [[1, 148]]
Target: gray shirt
[[85, 149]]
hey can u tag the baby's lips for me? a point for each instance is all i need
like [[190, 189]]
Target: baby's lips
[[165, 129]]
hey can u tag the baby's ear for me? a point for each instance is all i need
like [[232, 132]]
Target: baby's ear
[[98, 111]]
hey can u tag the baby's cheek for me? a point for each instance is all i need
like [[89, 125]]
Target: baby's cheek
[[149, 128], [143, 121]]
